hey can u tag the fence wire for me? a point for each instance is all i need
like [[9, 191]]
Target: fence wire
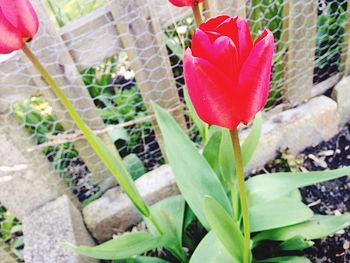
[[104, 72]]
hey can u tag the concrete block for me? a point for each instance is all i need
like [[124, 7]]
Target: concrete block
[[306, 125], [27, 180], [114, 213], [297, 128], [341, 94], [47, 227]]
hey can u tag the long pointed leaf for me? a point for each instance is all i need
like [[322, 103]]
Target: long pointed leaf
[[141, 260], [169, 213], [318, 227], [193, 174], [290, 259], [210, 250], [278, 213], [201, 125], [225, 228], [267, 187], [211, 154], [125, 246], [226, 156], [251, 142]]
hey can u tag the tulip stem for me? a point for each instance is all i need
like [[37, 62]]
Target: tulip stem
[[242, 193], [197, 13], [206, 9], [70, 108]]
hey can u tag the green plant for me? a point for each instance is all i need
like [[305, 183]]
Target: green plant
[[36, 117], [118, 104], [276, 210], [269, 13], [330, 31], [11, 232]]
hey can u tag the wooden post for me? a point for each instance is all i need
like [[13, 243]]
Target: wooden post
[[300, 37], [345, 57], [228, 7], [142, 38], [52, 52]]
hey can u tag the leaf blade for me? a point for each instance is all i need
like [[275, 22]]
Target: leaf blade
[[225, 228], [125, 246], [194, 176]]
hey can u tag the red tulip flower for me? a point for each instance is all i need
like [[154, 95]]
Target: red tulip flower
[[227, 75], [18, 24], [185, 2]]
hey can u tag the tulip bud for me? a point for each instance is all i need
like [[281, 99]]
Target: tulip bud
[[227, 75], [181, 3], [18, 24]]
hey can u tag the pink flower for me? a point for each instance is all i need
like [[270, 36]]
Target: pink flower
[[18, 24], [185, 2], [227, 75]]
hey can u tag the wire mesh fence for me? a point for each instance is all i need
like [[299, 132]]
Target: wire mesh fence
[[112, 58]]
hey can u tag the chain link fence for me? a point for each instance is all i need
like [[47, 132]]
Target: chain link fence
[[113, 59]]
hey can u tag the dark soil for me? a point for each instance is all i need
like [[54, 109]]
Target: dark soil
[[330, 198]]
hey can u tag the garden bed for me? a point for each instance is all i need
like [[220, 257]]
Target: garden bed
[[329, 198]]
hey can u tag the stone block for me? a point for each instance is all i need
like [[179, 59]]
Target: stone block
[[341, 94], [114, 213], [47, 227], [297, 128], [27, 180]]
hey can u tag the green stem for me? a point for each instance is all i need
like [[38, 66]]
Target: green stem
[[197, 14], [76, 117], [242, 193], [206, 9]]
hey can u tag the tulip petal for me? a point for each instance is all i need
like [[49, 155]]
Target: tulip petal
[[226, 58], [21, 15], [254, 81], [244, 39], [211, 92], [229, 28], [181, 3], [201, 43], [222, 53], [10, 39], [213, 23]]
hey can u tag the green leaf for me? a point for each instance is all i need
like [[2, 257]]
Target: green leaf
[[116, 166], [141, 260], [226, 156], [193, 174], [169, 213], [318, 227], [296, 243], [211, 153], [112, 161], [225, 228], [267, 187], [118, 134], [210, 250], [250, 143], [189, 217], [121, 247], [134, 165], [201, 126], [278, 213], [175, 46], [290, 259]]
